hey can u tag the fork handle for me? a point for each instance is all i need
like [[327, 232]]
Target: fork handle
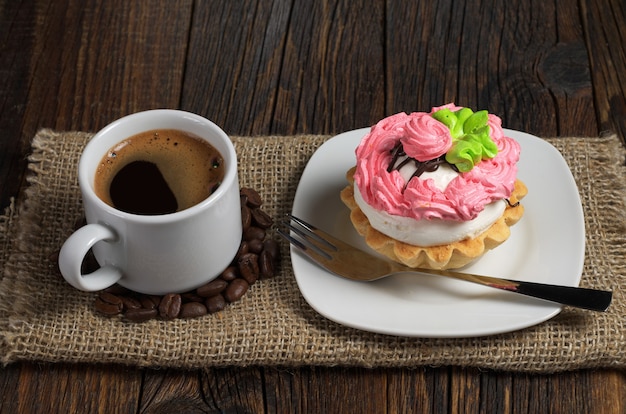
[[597, 300]]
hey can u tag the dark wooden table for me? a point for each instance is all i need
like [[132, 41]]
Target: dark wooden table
[[548, 67]]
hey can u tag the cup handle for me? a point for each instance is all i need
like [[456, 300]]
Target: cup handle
[[73, 253]]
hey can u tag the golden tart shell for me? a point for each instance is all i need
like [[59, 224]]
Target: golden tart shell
[[448, 256]]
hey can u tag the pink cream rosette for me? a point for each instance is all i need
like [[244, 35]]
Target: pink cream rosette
[[425, 138]]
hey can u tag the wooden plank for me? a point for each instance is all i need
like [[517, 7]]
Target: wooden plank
[[606, 390], [421, 390], [514, 59], [59, 76], [17, 22], [258, 68], [235, 390], [234, 61], [332, 76], [92, 88], [465, 390], [61, 388], [9, 386], [603, 23], [326, 390], [169, 391], [76, 388]]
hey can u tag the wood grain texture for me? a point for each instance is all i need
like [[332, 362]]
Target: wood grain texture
[[81, 65], [604, 37], [16, 27], [335, 78], [508, 57], [284, 67], [71, 389], [234, 61]]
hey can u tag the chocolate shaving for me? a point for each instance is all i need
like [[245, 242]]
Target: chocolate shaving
[[420, 166], [396, 152]]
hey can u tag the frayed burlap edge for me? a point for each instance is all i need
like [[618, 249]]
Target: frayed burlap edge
[[41, 318], [6, 222]]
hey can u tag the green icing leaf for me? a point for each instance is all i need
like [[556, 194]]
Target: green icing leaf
[[453, 120], [471, 142], [463, 155], [476, 122]]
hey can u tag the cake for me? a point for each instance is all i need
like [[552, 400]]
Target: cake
[[435, 189]]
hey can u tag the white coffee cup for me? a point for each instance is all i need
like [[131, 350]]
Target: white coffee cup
[[154, 254]]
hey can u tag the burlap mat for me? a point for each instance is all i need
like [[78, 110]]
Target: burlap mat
[[42, 318]]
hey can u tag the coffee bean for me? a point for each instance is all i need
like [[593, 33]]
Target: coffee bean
[[261, 218], [235, 290], [246, 217], [253, 199], [192, 310], [249, 267], [254, 246], [191, 297], [244, 247], [271, 246], [110, 298], [141, 315], [108, 308], [266, 264], [130, 303], [169, 308], [212, 288], [215, 303], [118, 290], [150, 301], [254, 233], [230, 273]]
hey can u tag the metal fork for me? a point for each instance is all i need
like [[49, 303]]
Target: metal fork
[[352, 263]]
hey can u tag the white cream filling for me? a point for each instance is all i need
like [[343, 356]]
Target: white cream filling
[[431, 232], [441, 176]]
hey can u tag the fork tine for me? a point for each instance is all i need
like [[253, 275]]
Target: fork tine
[[303, 237], [331, 253], [312, 231], [322, 236], [304, 244]]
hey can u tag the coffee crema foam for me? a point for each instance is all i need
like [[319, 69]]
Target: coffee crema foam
[[191, 167]]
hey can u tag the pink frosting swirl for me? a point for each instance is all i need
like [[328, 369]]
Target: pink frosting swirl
[[425, 138]]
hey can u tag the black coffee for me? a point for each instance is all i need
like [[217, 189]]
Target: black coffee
[[139, 187], [159, 172]]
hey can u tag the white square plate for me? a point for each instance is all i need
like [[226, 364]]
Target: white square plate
[[547, 245]]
